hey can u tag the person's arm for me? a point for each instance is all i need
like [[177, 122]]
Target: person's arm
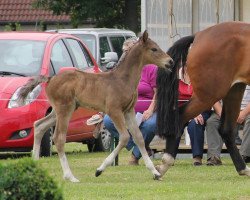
[[149, 112], [243, 114], [218, 108]]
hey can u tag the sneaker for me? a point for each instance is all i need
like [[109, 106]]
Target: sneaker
[[197, 161], [246, 159], [214, 161], [133, 160]]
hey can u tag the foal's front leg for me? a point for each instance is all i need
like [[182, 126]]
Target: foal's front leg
[[137, 136], [119, 122]]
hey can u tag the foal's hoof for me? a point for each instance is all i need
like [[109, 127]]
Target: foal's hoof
[[71, 179], [157, 177], [98, 173]]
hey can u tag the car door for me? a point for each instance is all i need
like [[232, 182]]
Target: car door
[[82, 61], [66, 53]]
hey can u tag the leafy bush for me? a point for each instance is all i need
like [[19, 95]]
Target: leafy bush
[[24, 180]]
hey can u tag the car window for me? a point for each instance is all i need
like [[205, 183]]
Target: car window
[[21, 56], [104, 46], [90, 41], [128, 36], [60, 56], [83, 62], [117, 42]]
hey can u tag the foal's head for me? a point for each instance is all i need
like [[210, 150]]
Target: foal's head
[[153, 53]]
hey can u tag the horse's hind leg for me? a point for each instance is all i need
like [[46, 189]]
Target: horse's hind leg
[[40, 127], [63, 114], [137, 136], [230, 112], [119, 122]]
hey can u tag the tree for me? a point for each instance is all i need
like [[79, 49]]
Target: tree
[[105, 13]]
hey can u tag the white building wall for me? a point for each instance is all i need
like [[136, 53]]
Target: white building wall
[[245, 11], [169, 20]]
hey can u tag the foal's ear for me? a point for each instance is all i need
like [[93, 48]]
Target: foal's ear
[[144, 36]]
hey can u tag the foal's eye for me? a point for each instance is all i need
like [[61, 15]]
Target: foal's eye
[[153, 49]]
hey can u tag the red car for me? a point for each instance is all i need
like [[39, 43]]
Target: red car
[[24, 55]]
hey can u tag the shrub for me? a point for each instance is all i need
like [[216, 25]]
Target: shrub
[[24, 180]]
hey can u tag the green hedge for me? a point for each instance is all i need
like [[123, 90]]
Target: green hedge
[[24, 180]]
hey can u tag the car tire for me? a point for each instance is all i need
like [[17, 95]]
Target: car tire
[[46, 143], [91, 146], [103, 142]]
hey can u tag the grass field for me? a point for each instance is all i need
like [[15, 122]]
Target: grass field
[[183, 181]]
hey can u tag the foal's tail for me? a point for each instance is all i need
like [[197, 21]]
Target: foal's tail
[[30, 85], [167, 89]]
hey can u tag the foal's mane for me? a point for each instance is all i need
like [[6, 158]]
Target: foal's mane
[[167, 89]]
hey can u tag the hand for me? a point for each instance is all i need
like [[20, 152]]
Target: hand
[[199, 119], [146, 115], [242, 117]]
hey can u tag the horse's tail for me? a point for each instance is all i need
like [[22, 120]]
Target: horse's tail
[[167, 89], [30, 85]]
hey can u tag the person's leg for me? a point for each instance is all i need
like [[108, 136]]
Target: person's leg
[[196, 133], [109, 125], [214, 140], [245, 145], [148, 129]]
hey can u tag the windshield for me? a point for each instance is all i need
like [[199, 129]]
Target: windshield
[[90, 41], [21, 56]]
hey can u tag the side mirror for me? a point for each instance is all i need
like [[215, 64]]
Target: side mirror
[[109, 57]]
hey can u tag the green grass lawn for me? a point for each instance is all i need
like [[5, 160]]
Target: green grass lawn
[[182, 181]]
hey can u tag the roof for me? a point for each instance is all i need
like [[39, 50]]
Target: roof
[[22, 11], [94, 31]]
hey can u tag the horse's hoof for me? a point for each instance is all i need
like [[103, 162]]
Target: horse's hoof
[[158, 168], [98, 173], [245, 172]]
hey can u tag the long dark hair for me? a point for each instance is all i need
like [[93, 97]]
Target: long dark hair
[[167, 89]]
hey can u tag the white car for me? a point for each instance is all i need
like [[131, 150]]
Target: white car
[[101, 41]]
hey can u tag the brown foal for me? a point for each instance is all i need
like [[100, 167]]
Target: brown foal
[[114, 93]]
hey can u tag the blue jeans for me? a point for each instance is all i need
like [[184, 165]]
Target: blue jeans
[[147, 128], [196, 134]]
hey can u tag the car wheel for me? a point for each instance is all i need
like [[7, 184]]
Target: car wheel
[[46, 143], [103, 142]]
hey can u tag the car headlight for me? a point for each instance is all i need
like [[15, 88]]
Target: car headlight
[[14, 103]]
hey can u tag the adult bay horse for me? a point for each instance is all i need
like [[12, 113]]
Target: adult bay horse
[[114, 93], [218, 64]]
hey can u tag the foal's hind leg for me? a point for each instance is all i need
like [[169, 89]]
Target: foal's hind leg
[[63, 116], [40, 127], [119, 122], [137, 136], [230, 112]]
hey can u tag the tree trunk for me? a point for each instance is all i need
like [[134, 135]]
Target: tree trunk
[[131, 20]]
